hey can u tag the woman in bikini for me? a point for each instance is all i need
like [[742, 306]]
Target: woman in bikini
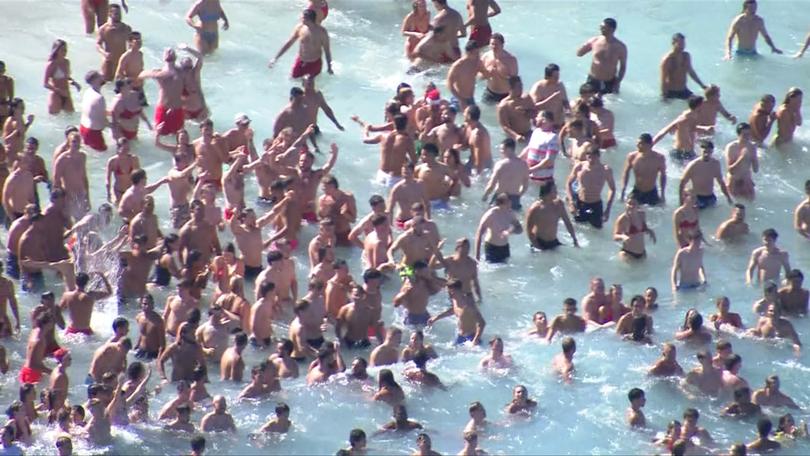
[[119, 168], [762, 118], [224, 267], [58, 80], [415, 26], [685, 220], [209, 12], [630, 228], [183, 149], [127, 111]]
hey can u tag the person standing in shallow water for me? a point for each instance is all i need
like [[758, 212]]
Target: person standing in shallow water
[[314, 39], [609, 59], [746, 28], [206, 32]]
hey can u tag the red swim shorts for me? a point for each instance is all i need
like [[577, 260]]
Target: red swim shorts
[[301, 68], [72, 330], [130, 135], [481, 35], [28, 375], [93, 138], [168, 121]]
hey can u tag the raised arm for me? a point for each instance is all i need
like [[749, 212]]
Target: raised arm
[[585, 48]]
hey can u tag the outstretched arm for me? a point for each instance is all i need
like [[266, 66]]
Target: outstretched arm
[[293, 38]]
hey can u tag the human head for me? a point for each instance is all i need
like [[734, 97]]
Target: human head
[[357, 438], [764, 427], [608, 26], [636, 397]]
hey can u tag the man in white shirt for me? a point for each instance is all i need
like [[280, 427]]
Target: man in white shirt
[[94, 112]]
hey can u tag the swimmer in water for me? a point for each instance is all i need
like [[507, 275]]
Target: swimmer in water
[[705, 377], [540, 322], [724, 316], [521, 402], [693, 330], [702, 172], [746, 28], [568, 322], [767, 262], [735, 227], [667, 365], [314, 40], [563, 363], [688, 271], [496, 359], [771, 396], [635, 416]]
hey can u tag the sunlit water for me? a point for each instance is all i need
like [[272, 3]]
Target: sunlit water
[[586, 417]]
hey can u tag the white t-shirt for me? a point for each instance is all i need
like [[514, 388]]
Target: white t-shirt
[[542, 145], [94, 110]]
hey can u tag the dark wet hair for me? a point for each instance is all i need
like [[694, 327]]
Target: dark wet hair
[[695, 101], [198, 441], [550, 69], [764, 427], [635, 393]]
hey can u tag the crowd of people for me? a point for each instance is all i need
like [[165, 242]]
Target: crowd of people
[[212, 248]]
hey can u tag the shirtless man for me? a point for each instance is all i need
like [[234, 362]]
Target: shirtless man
[[549, 94], [470, 321], [247, 232], [741, 161], [387, 352], [181, 185], [675, 66], [479, 12], [169, 114], [434, 177], [667, 365], [685, 128], [206, 33], [262, 313], [477, 137], [794, 298], [218, 420], [355, 318], [687, 266], [767, 261], [213, 335], [306, 334], [495, 226], [377, 243], [70, 174], [460, 266], [563, 363], [703, 172], [152, 338], [409, 191], [179, 307], [447, 135], [417, 243], [543, 218], [295, 115], [146, 223], [130, 65], [705, 377], [415, 294], [773, 325], [747, 27], [646, 164], [112, 42], [515, 112], [497, 66], [33, 368], [396, 147], [338, 205], [198, 234], [314, 102], [19, 190], [496, 359], [609, 55], [735, 227], [136, 265], [8, 298], [462, 75], [329, 363], [338, 289], [110, 357], [185, 354], [280, 271], [771, 396], [625, 324], [314, 39], [801, 216], [80, 302], [595, 299], [231, 364], [510, 176], [591, 176], [635, 416], [441, 45]]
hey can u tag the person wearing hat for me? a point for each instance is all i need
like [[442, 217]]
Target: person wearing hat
[[241, 135]]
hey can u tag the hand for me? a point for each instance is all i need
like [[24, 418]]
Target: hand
[[520, 138], [329, 69], [798, 55], [430, 321], [776, 50], [733, 120], [340, 127], [333, 148], [576, 244], [226, 25], [272, 63], [727, 56], [30, 118], [606, 216]]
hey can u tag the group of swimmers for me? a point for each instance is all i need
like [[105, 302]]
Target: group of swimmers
[[422, 171]]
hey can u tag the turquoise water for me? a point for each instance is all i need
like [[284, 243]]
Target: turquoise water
[[585, 417]]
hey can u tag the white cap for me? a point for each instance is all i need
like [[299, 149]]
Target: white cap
[[241, 118]]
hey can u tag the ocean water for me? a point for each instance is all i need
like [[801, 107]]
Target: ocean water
[[584, 417]]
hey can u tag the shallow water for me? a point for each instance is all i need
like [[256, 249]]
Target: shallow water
[[586, 417]]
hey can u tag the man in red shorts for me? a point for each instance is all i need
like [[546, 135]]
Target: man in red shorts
[[314, 39], [169, 115], [94, 112], [34, 366], [480, 11]]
